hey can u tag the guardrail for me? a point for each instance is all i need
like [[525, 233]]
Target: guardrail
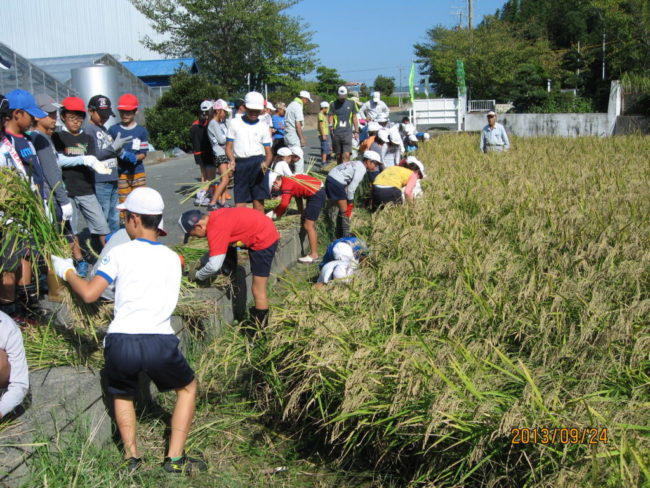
[[481, 105]]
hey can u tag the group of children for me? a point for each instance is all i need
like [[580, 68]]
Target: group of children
[[143, 274]]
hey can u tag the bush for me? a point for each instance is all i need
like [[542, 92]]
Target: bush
[[563, 102], [169, 121]]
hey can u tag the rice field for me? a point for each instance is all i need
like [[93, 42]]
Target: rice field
[[498, 334]]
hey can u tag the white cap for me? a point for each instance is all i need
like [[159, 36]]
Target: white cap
[[372, 156], [427, 136], [373, 126], [342, 90], [145, 201], [395, 137], [376, 96], [382, 118], [491, 112], [342, 251], [413, 138], [270, 106], [221, 105], [416, 161], [271, 176], [254, 101], [384, 135], [324, 105], [284, 151], [297, 151], [305, 94], [206, 105]]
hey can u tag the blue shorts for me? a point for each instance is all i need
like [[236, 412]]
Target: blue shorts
[[249, 180], [382, 196], [335, 190], [325, 146], [157, 355], [262, 260], [314, 205]]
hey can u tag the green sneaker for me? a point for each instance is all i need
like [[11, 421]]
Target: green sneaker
[[185, 464]]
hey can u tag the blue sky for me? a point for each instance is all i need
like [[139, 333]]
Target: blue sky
[[365, 39]]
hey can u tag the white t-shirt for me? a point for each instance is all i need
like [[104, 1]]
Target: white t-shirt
[[292, 116], [248, 138], [147, 278]]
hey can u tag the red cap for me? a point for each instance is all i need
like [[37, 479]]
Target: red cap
[[127, 102], [74, 104]]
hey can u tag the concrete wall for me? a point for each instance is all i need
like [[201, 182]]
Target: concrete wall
[[61, 398], [533, 125], [632, 124]]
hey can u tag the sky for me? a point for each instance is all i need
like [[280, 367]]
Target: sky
[[364, 39]]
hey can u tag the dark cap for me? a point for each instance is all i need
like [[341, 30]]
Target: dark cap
[[187, 221], [101, 104]]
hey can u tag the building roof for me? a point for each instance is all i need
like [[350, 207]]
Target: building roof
[[160, 67], [60, 67]]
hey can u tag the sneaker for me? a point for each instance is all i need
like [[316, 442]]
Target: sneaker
[[308, 259], [200, 196], [82, 268], [132, 464], [206, 201], [185, 464]]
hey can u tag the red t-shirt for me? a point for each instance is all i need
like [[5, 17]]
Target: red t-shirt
[[303, 186], [228, 225]]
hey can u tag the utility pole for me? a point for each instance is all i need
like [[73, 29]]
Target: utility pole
[[401, 87], [470, 14]]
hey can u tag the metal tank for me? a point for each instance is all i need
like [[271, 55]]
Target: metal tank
[[97, 79]]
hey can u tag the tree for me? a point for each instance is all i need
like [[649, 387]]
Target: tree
[[169, 121], [492, 54], [384, 85], [233, 39], [328, 80]]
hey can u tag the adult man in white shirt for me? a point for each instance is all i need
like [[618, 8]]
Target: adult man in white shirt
[[493, 136], [294, 121], [373, 108]]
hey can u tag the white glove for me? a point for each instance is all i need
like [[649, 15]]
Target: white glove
[[272, 215], [66, 211], [62, 266], [48, 214], [100, 167], [119, 142]]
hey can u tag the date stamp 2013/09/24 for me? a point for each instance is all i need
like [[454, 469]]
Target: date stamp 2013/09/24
[[559, 435]]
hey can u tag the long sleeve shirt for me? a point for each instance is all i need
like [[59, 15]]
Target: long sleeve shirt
[[217, 132], [350, 175], [51, 170], [103, 150], [303, 186], [11, 341], [494, 137]]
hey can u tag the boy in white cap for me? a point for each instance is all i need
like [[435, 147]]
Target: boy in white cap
[[248, 148], [218, 136], [324, 132], [294, 121], [147, 278], [342, 183]]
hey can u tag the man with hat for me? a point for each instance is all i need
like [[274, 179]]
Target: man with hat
[[147, 277], [226, 226], [107, 150], [373, 107], [493, 135], [343, 121], [294, 121]]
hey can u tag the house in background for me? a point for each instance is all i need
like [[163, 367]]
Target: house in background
[[157, 72]]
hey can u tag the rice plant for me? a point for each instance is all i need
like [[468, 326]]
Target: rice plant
[[515, 294]]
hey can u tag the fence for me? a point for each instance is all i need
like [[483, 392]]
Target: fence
[[27, 76], [481, 105]]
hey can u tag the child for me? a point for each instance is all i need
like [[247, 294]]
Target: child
[[131, 160], [324, 132], [14, 376], [80, 180], [278, 126], [396, 184], [107, 150], [248, 148], [341, 184], [300, 186], [147, 278], [283, 162], [341, 259], [202, 149], [226, 226], [217, 134]]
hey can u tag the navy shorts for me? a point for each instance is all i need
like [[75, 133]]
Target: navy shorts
[[249, 180], [157, 355], [262, 260], [335, 190], [314, 205], [381, 196], [325, 146]]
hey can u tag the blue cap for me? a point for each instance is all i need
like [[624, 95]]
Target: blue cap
[[23, 100], [188, 220]]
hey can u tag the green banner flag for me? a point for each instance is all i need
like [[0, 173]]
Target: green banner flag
[[412, 82], [460, 76]]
